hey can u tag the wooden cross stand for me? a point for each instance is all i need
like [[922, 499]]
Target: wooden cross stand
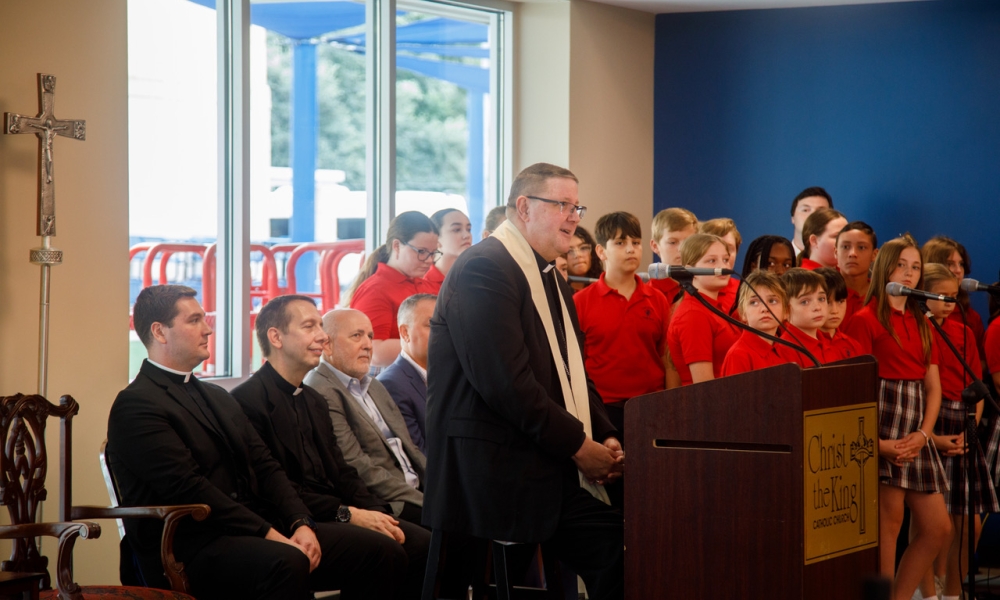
[[46, 126]]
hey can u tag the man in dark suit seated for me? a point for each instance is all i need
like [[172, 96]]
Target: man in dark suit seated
[[368, 426], [518, 441], [173, 439], [292, 420], [406, 378]]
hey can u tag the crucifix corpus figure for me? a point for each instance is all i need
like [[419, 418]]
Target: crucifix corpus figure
[[46, 126]]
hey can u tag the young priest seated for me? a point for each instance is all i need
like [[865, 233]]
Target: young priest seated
[[293, 421]]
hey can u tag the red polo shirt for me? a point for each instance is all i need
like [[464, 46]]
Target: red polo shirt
[[380, 295], [815, 345], [752, 352], [975, 323], [698, 335], [435, 276], [840, 346], [728, 295], [625, 339], [668, 287], [993, 347], [810, 264], [854, 303], [954, 379], [896, 360]]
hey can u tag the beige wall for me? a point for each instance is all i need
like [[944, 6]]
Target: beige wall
[[583, 77], [584, 99], [84, 45]]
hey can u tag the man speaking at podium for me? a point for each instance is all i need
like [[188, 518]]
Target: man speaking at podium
[[511, 417]]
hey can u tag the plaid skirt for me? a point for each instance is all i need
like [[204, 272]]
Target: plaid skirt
[[900, 411], [951, 421]]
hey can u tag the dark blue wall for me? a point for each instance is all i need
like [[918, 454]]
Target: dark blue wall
[[893, 108]]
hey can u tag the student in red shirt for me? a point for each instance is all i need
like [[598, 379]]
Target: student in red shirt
[[698, 338], [623, 320], [910, 471], [951, 424], [726, 229], [856, 250], [771, 253], [807, 313], [839, 345], [671, 226], [819, 237], [762, 306], [454, 238], [583, 259], [951, 254], [394, 272]]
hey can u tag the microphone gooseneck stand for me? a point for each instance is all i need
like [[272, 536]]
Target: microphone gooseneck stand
[[688, 285], [971, 396]]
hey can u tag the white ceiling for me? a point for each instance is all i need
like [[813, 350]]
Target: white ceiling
[[665, 6]]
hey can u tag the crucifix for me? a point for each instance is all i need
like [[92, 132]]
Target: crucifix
[[46, 126]]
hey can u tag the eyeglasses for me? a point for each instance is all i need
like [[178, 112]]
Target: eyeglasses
[[580, 210], [423, 255], [583, 250]]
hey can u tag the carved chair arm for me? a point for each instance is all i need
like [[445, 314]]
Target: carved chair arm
[[170, 515], [67, 534]]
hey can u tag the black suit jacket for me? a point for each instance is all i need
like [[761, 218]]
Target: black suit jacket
[[163, 450], [267, 407], [499, 439]]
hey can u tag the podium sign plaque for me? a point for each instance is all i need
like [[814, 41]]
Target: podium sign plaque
[[840, 477]]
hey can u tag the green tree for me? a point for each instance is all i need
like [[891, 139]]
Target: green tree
[[431, 125]]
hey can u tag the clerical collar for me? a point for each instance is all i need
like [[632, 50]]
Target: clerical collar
[[280, 381], [185, 374], [543, 265]]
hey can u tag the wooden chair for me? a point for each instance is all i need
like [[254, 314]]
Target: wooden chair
[[23, 467]]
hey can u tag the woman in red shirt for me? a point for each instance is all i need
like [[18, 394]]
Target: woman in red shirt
[[454, 238], [910, 470], [394, 272], [698, 338], [951, 423], [857, 246]]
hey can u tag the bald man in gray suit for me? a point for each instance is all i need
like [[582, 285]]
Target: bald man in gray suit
[[367, 423]]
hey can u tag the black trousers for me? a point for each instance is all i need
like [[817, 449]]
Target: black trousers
[[590, 540], [359, 562]]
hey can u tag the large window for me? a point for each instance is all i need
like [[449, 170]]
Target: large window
[[270, 143]]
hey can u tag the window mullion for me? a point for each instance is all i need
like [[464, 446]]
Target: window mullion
[[233, 250], [380, 64]]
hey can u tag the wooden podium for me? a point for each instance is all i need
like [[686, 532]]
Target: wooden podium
[[761, 485]]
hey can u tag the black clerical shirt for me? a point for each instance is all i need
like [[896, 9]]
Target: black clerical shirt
[[294, 422]]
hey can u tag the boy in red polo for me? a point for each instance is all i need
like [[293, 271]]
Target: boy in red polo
[[840, 346], [762, 306], [671, 226], [807, 312], [726, 229], [623, 320]]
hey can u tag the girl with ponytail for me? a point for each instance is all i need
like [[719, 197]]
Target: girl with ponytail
[[392, 273]]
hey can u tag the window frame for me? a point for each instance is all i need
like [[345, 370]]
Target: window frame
[[233, 337]]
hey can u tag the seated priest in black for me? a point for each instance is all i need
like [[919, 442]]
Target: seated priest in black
[[173, 439], [292, 420]]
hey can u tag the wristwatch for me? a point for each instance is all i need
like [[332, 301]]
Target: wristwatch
[[344, 514], [307, 521]]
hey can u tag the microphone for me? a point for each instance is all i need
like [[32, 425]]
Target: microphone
[[898, 289], [971, 285], [662, 271]]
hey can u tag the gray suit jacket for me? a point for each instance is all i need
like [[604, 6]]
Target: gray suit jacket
[[362, 443]]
